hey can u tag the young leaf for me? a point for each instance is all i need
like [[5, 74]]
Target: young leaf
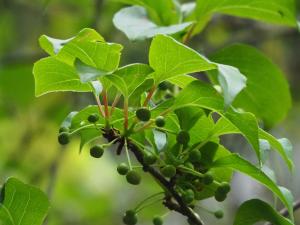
[[272, 11], [52, 75], [237, 163], [267, 93], [22, 204], [52, 46], [133, 21], [170, 58], [255, 210]]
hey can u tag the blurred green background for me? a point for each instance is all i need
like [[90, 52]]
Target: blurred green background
[[85, 191]]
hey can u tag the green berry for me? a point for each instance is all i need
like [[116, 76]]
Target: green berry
[[208, 179], [96, 151], [63, 129], [168, 171], [64, 138], [188, 196], [164, 86], [195, 155], [143, 114], [149, 159], [93, 118], [122, 169], [189, 165], [160, 121], [183, 137], [224, 188], [130, 218], [157, 220], [133, 177], [220, 197], [219, 214]]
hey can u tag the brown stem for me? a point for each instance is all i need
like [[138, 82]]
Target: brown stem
[[188, 36], [105, 102], [149, 96], [115, 102], [100, 106], [177, 205], [126, 114]]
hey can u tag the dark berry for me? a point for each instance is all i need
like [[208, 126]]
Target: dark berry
[[168, 171], [96, 151], [188, 196], [149, 158], [183, 137], [195, 155], [160, 121], [220, 197], [219, 214], [122, 169], [93, 118], [63, 129], [208, 179], [157, 220], [63, 138], [143, 114], [130, 218], [133, 177], [224, 188]]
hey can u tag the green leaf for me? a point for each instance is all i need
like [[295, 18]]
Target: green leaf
[[271, 11], [267, 93], [232, 82], [237, 163], [133, 21], [52, 46], [203, 95], [188, 116], [255, 210], [282, 146], [170, 58], [68, 120], [182, 80], [22, 204], [52, 75]]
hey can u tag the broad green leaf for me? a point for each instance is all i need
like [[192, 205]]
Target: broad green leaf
[[164, 12], [100, 55], [133, 21], [52, 75], [160, 139], [237, 163], [232, 82], [22, 204], [68, 120], [255, 210], [88, 73], [203, 95], [272, 11], [169, 58], [52, 46], [182, 80], [283, 146], [267, 93], [188, 116]]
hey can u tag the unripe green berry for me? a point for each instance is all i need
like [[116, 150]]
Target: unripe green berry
[[219, 214], [220, 197], [189, 165], [157, 220], [63, 138], [183, 137], [195, 155], [143, 114], [96, 151], [149, 159], [130, 218], [160, 121], [133, 177], [63, 129], [93, 118], [224, 188], [188, 196], [168, 171], [163, 85], [208, 179], [122, 169]]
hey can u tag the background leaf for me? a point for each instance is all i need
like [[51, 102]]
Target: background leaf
[[22, 204]]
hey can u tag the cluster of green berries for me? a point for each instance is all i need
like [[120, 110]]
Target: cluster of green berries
[[132, 176], [130, 218], [144, 115]]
